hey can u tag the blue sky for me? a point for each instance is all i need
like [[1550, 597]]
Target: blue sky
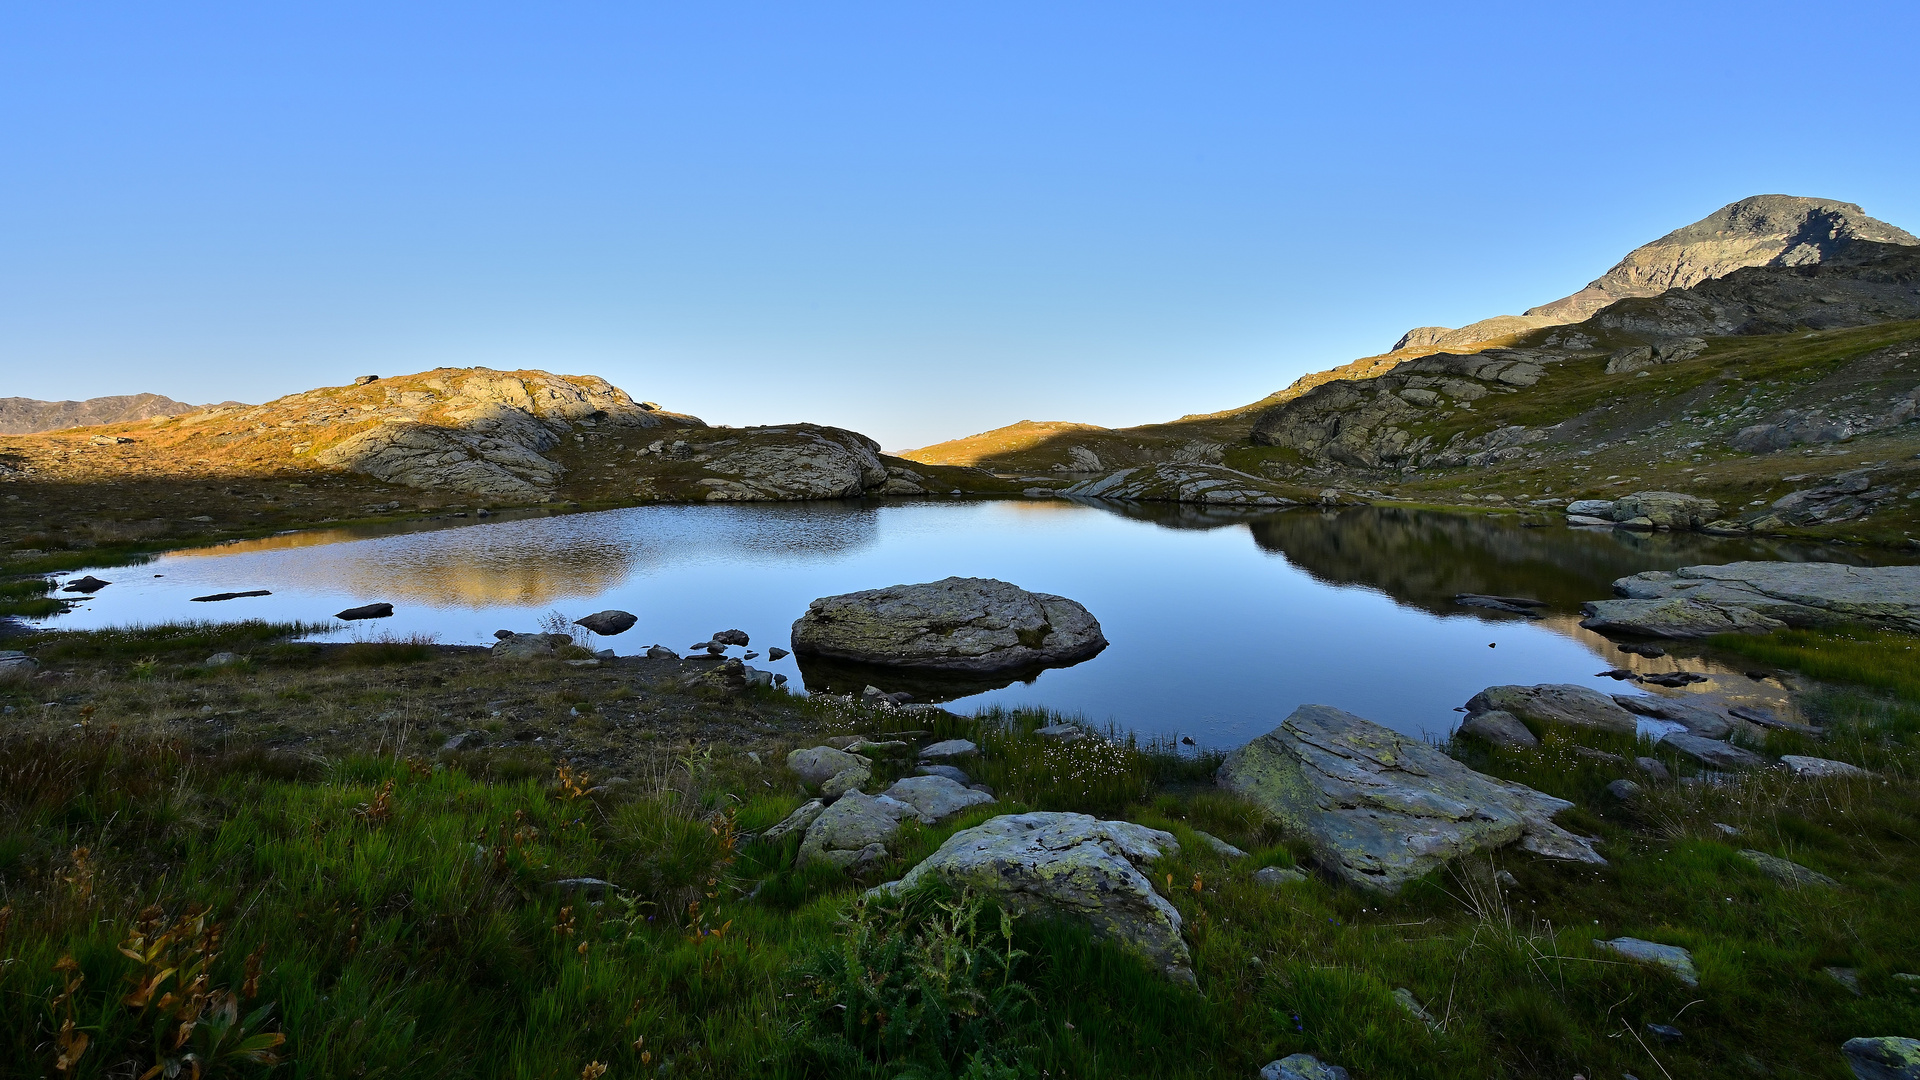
[[918, 220]]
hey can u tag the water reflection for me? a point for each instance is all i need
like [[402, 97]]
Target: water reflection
[[1211, 635]]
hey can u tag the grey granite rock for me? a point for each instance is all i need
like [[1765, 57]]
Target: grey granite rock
[[1301, 1067], [1675, 617], [1883, 1058], [1786, 872], [798, 821], [818, 764], [1798, 594], [1698, 720], [1672, 958], [1714, 754], [1561, 704], [853, 831], [1068, 866], [949, 750], [956, 624], [1380, 808], [1820, 768], [1273, 876], [936, 798], [1500, 728]]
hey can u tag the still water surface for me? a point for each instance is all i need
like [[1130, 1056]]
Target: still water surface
[[1220, 622]]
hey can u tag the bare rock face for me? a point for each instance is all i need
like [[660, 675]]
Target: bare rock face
[[474, 431], [1797, 594], [1069, 866], [956, 624], [1182, 482], [1763, 230], [792, 461], [16, 668], [1381, 809]]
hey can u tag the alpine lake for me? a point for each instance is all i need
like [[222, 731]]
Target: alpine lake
[[1220, 622]]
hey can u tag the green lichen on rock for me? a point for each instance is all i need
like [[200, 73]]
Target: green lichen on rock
[[1381, 809]]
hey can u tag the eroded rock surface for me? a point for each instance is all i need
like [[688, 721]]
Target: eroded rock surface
[[792, 461], [1677, 617], [957, 624], [1069, 866], [1381, 809], [1797, 594]]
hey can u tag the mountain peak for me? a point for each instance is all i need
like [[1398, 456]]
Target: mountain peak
[[1760, 230]]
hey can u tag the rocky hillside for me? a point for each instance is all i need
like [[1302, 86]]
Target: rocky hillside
[[23, 416], [450, 439], [1765, 230], [1778, 230]]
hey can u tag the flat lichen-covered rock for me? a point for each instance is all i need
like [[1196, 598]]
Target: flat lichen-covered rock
[[1380, 808], [1797, 594], [956, 624], [1069, 866], [1675, 617]]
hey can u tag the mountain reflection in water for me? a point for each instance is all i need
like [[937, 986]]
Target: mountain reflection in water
[[1220, 621]]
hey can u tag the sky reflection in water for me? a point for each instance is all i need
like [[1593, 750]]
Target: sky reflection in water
[[1220, 623]]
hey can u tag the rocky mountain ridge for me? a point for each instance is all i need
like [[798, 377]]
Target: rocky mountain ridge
[[1763, 230], [24, 416]]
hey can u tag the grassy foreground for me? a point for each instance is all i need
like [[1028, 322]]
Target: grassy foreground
[[392, 914]]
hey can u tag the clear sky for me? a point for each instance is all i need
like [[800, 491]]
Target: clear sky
[[919, 220]]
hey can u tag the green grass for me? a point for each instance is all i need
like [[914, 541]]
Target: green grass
[[403, 923], [1861, 656]]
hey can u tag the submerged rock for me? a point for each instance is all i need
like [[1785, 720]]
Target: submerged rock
[[1380, 808], [957, 624], [1562, 704], [1068, 866]]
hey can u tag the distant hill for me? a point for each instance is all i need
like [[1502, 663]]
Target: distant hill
[[1761, 231], [23, 416], [1764, 230]]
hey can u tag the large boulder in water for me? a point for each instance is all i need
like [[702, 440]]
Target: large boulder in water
[[1380, 808], [957, 624], [1069, 866]]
